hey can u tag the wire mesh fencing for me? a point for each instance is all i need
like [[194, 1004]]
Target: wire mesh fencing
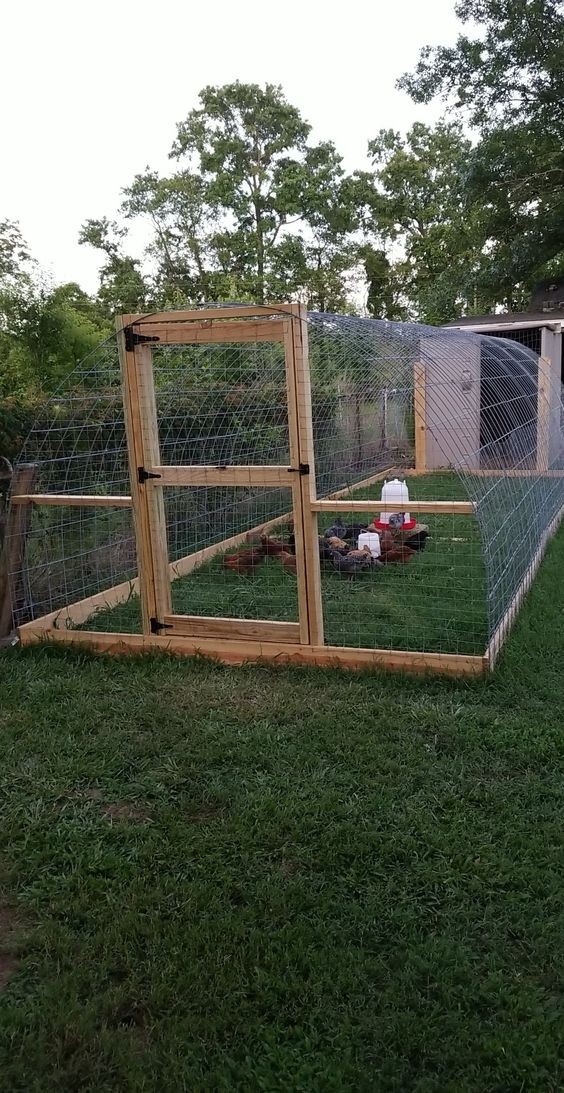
[[468, 409]]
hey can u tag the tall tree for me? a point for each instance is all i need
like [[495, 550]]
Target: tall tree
[[428, 244], [254, 211], [506, 78]]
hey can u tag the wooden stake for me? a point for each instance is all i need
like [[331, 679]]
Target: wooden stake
[[543, 415], [304, 492], [148, 504], [420, 418], [12, 559]]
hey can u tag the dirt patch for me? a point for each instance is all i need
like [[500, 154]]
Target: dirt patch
[[91, 793], [115, 811], [204, 815], [8, 967], [121, 811], [288, 867], [9, 962]]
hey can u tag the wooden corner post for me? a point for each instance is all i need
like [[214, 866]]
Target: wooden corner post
[[543, 415], [304, 493], [420, 414], [12, 553], [147, 496]]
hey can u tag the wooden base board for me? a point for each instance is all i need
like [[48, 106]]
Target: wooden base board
[[241, 652]]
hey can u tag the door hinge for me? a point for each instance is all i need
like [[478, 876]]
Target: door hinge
[[302, 469], [143, 475], [156, 626], [132, 338]]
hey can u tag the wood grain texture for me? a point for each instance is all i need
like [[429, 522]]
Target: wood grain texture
[[212, 332], [233, 629], [439, 508], [420, 413], [241, 475], [213, 314], [12, 556], [543, 415], [299, 398], [241, 652]]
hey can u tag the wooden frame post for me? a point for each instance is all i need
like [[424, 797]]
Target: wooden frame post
[[543, 415], [420, 415], [147, 497], [12, 556], [304, 492]]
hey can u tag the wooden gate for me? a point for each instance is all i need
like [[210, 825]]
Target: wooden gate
[[137, 336]]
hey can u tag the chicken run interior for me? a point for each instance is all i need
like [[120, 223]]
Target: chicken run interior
[[202, 481]]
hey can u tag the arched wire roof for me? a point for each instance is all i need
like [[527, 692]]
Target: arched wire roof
[[491, 436]]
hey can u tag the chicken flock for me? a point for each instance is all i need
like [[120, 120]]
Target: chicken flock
[[335, 550]]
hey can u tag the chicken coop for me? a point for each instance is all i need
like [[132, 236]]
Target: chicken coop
[[203, 482]]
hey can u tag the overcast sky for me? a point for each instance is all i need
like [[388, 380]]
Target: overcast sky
[[91, 93]]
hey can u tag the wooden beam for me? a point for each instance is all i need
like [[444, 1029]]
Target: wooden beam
[[213, 314], [301, 434], [148, 506], [505, 625], [439, 508], [420, 414], [84, 500], [232, 629], [241, 652], [213, 333], [543, 415], [201, 475], [504, 472], [12, 556]]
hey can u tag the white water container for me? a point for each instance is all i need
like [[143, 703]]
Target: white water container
[[370, 539], [395, 491]]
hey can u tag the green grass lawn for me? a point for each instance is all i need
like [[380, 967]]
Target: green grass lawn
[[283, 879], [437, 603]]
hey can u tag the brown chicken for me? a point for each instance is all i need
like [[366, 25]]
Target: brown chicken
[[272, 546], [288, 561], [386, 541], [246, 562], [364, 552], [401, 554], [337, 544]]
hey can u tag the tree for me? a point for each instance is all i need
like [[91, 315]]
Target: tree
[[122, 287], [428, 243], [254, 211], [507, 80]]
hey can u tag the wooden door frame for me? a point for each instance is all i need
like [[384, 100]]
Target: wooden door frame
[[286, 324]]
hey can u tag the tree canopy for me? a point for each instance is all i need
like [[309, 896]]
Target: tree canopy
[[506, 79], [453, 218]]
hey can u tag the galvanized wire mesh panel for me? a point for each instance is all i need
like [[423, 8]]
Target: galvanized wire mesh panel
[[77, 446], [491, 436], [487, 423]]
